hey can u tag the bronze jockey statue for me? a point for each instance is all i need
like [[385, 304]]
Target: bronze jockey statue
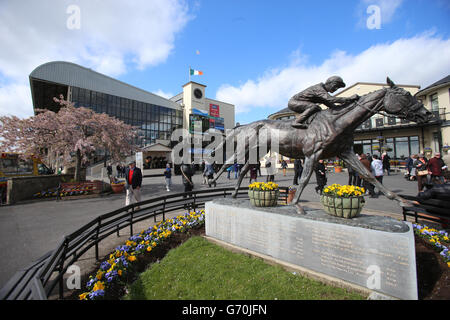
[[305, 102]]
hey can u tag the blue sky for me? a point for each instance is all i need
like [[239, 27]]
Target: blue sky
[[254, 54]]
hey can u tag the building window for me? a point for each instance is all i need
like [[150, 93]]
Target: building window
[[434, 102], [400, 147]]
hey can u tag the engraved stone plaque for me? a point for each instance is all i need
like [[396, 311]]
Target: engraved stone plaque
[[371, 251]]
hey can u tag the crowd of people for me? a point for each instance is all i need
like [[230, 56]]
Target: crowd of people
[[418, 168]]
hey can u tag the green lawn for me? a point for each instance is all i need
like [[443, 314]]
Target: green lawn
[[199, 269]]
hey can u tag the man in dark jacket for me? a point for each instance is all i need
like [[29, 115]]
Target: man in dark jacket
[[133, 183], [298, 169], [386, 163], [321, 176], [436, 166]]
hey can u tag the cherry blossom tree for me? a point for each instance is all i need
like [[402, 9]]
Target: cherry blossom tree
[[69, 136]]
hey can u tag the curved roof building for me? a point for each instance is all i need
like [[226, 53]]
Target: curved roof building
[[156, 116], [68, 74]]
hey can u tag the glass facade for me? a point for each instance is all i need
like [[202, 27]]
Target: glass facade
[[400, 147], [154, 122]]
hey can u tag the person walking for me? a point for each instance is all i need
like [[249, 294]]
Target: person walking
[[124, 168], [351, 176], [366, 184], [133, 178], [386, 163], [436, 166], [413, 172], [298, 169], [168, 176], [270, 175], [377, 169], [321, 176], [109, 171], [209, 174], [284, 167], [253, 173], [229, 170], [421, 165], [119, 170], [409, 166]]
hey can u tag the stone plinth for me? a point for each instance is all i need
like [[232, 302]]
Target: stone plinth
[[374, 252]]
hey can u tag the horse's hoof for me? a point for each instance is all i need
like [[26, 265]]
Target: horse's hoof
[[300, 209]]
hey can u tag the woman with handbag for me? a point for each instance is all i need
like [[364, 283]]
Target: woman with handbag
[[421, 166]]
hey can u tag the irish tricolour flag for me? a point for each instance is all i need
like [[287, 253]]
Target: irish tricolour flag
[[193, 72]]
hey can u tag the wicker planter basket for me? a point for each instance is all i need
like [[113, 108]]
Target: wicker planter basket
[[342, 207], [266, 198]]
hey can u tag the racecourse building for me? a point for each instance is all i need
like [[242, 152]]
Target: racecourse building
[[155, 116]]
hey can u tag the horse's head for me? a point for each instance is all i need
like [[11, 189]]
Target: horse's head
[[402, 104]]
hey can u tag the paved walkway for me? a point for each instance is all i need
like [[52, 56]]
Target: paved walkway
[[29, 230]]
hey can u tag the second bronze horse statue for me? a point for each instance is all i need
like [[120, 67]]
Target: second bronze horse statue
[[329, 135]]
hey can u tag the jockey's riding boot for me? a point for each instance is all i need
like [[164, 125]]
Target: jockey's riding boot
[[298, 123]]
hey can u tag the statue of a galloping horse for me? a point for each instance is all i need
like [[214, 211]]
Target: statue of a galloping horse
[[330, 134]]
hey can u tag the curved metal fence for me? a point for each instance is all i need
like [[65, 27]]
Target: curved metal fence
[[38, 280]]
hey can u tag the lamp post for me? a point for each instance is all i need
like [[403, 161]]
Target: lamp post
[[380, 142]]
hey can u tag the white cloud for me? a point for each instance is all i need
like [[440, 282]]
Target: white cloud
[[114, 35], [418, 61], [163, 94], [15, 99]]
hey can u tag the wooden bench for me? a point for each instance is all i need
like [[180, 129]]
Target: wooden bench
[[432, 209]]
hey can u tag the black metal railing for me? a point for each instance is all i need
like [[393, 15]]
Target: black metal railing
[[36, 283]]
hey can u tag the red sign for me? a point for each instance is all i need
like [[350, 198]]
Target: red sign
[[214, 110]]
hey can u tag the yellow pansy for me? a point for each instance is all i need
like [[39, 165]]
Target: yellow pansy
[[99, 286], [83, 296]]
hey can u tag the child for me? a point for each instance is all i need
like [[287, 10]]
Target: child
[[168, 177]]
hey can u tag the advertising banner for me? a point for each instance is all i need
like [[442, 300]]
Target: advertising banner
[[214, 110]]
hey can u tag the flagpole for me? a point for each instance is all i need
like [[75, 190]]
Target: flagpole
[[189, 73]]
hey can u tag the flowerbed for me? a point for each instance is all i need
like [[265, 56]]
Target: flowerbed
[[73, 191], [438, 239], [113, 271]]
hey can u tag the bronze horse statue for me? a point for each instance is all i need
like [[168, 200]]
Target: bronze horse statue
[[329, 135]]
